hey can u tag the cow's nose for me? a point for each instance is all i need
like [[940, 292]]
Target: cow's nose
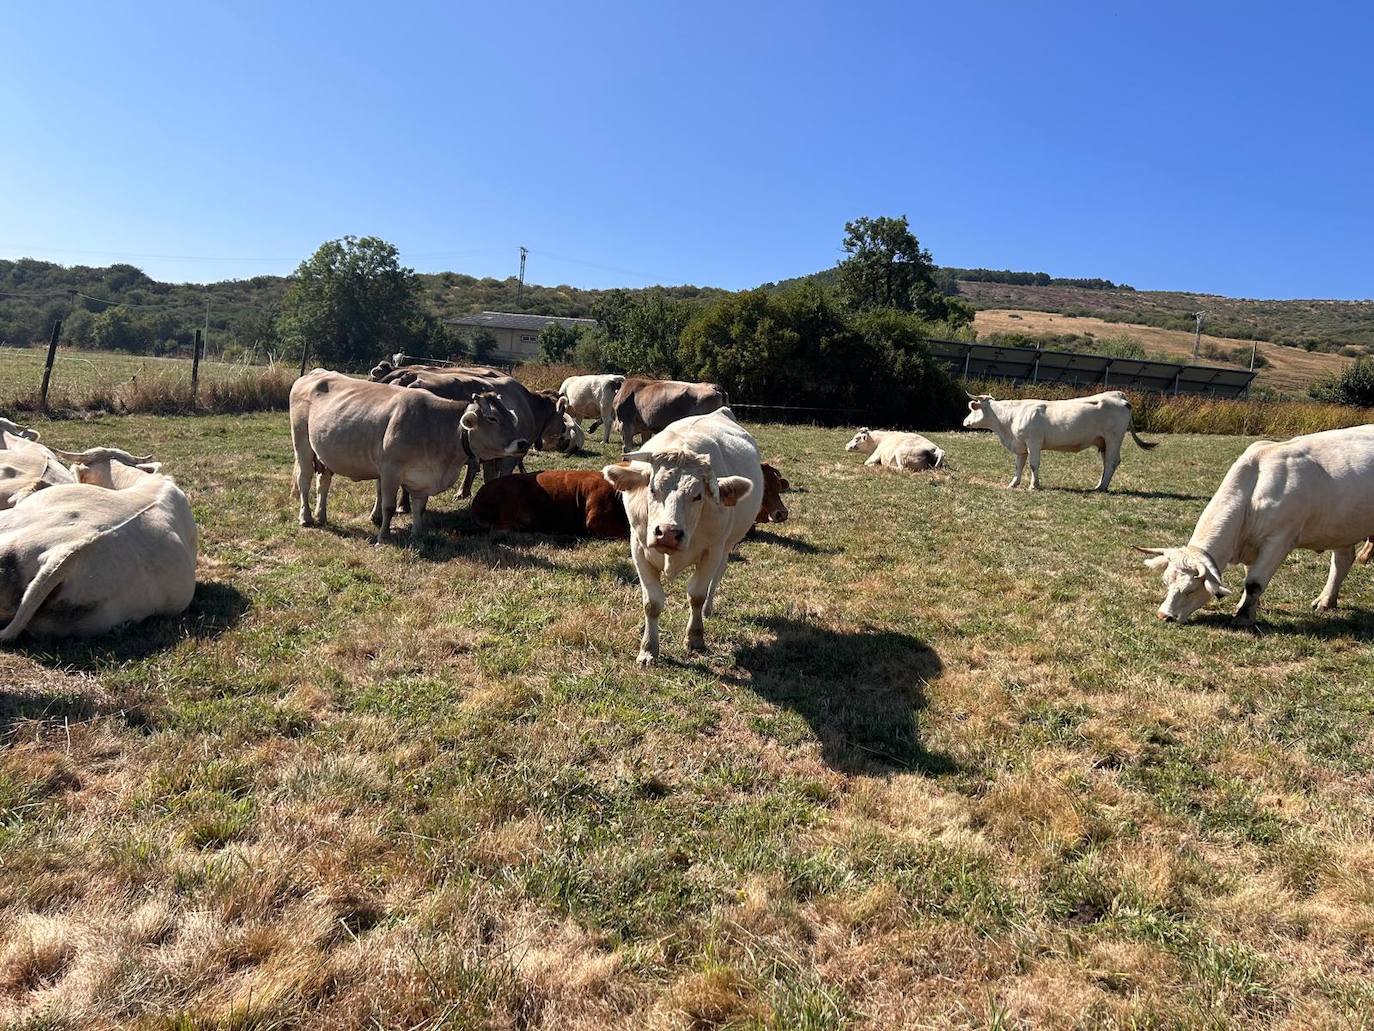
[[522, 445], [780, 516], [1164, 616], [666, 533]]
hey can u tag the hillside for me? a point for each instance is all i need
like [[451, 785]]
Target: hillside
[[1314, 324], [1290, 369]]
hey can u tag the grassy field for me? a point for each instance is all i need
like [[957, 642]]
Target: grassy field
[[1290, 369], [940, 767]]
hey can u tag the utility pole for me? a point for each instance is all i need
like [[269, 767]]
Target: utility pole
[[207, 319], [520, 291], [1197, 333]]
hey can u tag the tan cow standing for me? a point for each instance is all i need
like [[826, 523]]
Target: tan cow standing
[[394, 435]]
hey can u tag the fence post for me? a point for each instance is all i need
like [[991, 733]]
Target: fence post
[[47, 365], [305, 352], [195, 369]]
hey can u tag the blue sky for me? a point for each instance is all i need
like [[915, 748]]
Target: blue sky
[[1221, 147]]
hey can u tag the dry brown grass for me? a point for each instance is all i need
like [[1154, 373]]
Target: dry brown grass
[[1290, 368]]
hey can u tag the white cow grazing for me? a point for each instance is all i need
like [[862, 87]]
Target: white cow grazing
[[1026, 428], [682, 493], [1314, 492], [593, 397], [909, 451], [81, 558]]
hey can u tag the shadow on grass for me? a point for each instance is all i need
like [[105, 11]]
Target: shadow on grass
[[862, 692], [1149, 495], [215, 608], [1356, 623], [790, 543]]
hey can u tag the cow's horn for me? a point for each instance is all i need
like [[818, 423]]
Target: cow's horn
[[100, 454], [637, 456], [1150, 551], [973, 397]]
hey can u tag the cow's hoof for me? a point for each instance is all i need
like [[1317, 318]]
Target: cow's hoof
[[1322, 605], [646, 658], [696, 645], [305, 520]]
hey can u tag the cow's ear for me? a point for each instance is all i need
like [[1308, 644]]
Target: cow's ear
[[470, 418], [734, 489], [624, 476], [149, 467], [562, 405], [784, 484], [973, 406]]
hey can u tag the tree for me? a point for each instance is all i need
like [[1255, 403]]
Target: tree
[[887, 268], [116, 330], [352, 301], [558, 342]]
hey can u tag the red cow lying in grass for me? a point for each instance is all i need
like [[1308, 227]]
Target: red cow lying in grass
[[581, 503]]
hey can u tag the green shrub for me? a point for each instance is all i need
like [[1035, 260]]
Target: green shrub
[[1352, 386]]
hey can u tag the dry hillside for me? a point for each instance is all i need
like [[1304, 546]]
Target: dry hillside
[[1291, 369]]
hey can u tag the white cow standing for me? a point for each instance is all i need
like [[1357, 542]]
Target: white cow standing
[[682, 493], [1314, 492], [81, 558], [1027, 428], [593, 397], [909, 451]]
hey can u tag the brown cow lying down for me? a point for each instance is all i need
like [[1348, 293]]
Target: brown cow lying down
[[581, 503], [574, 501]]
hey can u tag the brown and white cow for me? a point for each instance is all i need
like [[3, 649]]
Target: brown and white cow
[[645, 406], [772, 509], [398, 437]]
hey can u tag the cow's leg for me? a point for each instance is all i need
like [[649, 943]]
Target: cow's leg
[[607, 420], [1033, 457], [1020, 468], [1341, 561], [1111, 458], [627, 435], [387, 485], [698, 596], [418, 503], [654, 600], [874, 459], [717, 575], [490, 471], [1257, 576], [322, 501], [404, 506], [305, 475], [468, 477]]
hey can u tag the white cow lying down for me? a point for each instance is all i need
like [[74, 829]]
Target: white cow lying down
[[80, 558], [1314, 492], [682, 493], [1026, 428], [909, 451]]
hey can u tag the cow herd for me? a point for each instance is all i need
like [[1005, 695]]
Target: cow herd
[[90, 540]]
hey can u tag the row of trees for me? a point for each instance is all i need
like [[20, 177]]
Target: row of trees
[[988, 275], [858, 345]]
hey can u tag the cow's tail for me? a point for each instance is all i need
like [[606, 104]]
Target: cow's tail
[[295, 479], [1146, 444], [48, 579]]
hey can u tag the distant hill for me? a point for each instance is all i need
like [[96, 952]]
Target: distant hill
[[1345, 327], [241, 311]]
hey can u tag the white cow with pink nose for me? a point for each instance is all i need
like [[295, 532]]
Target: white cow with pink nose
[[682, 493]]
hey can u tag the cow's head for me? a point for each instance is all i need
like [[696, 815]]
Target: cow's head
[[108, 467], [1191, 580], [862, 441], [772, 510], [19, 431], [671, 489], [493, 430], [979, 414], [381, 370], [572, 439]]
